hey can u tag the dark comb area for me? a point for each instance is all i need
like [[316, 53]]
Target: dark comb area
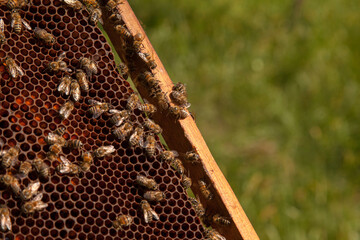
[[79, 207]]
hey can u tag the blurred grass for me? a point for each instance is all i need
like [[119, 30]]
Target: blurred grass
[[275, 89]]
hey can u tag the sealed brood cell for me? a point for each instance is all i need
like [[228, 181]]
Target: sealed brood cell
[[79, 207]]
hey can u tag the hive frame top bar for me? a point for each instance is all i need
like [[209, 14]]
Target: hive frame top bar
[[184, 135]]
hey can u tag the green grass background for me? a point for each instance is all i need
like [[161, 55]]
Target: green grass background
[[276, 91]]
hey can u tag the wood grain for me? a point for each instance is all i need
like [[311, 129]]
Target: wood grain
[[184, 136]]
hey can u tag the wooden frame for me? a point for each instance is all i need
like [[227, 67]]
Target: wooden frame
[[183, 136]]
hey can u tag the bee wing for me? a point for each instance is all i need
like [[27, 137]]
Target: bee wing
[[219, 237], [19, 70], [8, 221], [12, 71], [186, 105], [141, 142], [146, 216], [88, 72], [109, 149], [2, 152], [37, 197], [40, 205], [63, 168], [65, 161], [64, 86], [12, 23], [5, 221], [26, 25], [34, 186], [98, 114], [70, 2], [142, 56], [75, 91], [69, 70], [101, 21], [61, 56], [94, 102], [114, 111], [2, 25], [154, 215]]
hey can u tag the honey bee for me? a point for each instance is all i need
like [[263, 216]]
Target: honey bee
[[122, 221], [115, 16], [123, 131], [75, 4], [192, 157], [133, 101], [30, 191], [67, 167], [103, 151], [180, 87], [180, 99], [41, 168], [186, 181], [204, 189], [168, 156], [154, 196], [5, 220], [12, 4], [11, 66], [60, 131], [90, 3], [119, 117], [155, 91], [55, 138], [138, 39], [55, 150], [137, 137], [111, 4], [148, 79], [64, 85], [73, 144], [146, 182], [89, 66], [147, 107], [153, 127], [146, 57], [220, 220], [82, 79], [198, 207], [75, 90], [178, 166], [212, 234], [150, 145], [58, 64], [126, 35], [11, 182], [86, 162], [8, 157], [124, 70], [66, 109], [162, 100], [97, 108], [148, 212], [44, 36], [17, 22], [95, 16], [2, 32], [36, 204], [25, 168], [178, 112]]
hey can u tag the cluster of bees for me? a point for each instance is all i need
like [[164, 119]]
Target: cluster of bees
[[142, 135]]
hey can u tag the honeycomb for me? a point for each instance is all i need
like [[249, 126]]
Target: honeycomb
[[79, 207]]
